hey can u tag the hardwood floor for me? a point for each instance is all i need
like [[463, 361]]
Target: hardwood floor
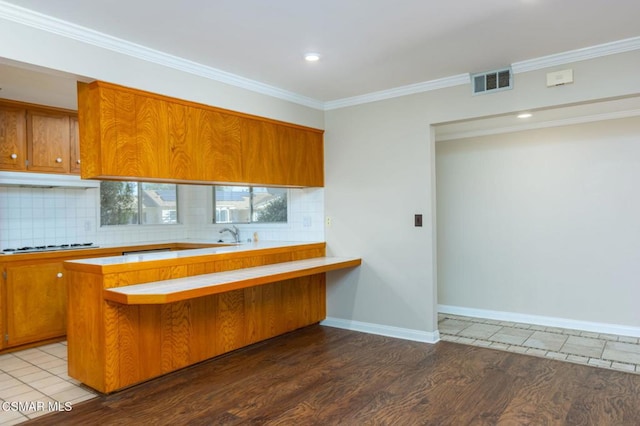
[[328, 376]]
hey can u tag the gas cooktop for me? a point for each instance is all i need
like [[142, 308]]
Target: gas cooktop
[[38, 249]]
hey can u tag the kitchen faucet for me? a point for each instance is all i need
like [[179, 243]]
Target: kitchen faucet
[[235, 232]]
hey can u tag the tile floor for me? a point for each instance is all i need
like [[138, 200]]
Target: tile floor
[[34, 381], [599, 350]]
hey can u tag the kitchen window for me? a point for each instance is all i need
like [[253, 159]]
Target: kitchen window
[[138, 203], [249, 204]]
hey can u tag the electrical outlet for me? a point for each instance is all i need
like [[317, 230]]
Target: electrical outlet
[[328, 221]]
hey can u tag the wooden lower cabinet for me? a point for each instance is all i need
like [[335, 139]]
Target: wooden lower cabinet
[[33, 292], [113, 346], [36, 303]]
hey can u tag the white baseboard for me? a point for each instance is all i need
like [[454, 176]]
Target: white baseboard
[[594, 327], [383, 330]]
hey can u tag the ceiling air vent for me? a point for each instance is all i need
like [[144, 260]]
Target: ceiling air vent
[[492, 81]]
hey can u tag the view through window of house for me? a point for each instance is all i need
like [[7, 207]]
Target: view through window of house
[[138, 203], [249, 204]]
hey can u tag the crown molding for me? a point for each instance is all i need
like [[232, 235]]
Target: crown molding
[[66, 29], [593, 52], [410, 89], [586, 53], [62, 28]]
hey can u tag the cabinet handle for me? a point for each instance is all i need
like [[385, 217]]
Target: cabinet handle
[[77, 161], [58, 160], [14, 156], [59, 275]]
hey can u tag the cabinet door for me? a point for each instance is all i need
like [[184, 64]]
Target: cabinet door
[[275, 154], [36, 303], [261, 162], [152, 139], [215, 136], [74, 146], [13, 139], [302, 153], [48, 141]]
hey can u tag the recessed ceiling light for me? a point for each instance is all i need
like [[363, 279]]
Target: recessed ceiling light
[[311, 57], [525, 115]]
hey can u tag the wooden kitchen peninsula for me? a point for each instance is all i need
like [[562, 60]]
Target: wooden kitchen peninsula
[[116, 338]]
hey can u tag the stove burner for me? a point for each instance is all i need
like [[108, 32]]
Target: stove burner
[[37, 249]]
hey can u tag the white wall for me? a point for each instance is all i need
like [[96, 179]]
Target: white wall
[[542, 222], [378, 176], [379, 168]]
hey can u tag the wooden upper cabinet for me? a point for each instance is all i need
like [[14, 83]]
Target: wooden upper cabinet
[[128, 134], [13, 138], [106, 121], [151, 137], [48, 141], [216, 136], [74, 146], [36, 138], [282, 155]]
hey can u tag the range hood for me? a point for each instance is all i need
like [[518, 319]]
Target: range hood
[[46, 180]]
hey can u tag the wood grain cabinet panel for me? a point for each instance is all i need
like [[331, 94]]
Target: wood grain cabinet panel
[[13, 138], [48, 141], [36, 138], [107, 115], [281, 155], [74, 146], [180, 157], [127, 134], [36, 303], [151, 122], [216, 137]]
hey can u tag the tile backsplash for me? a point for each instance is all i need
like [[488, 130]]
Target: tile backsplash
[[32, 216], [41, 216]]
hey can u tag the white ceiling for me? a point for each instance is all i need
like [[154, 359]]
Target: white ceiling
[[366, 46]]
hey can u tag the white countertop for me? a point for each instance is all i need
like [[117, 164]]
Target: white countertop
[[172, 290], [180, 254]]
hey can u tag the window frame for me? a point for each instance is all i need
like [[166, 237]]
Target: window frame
[[251, 210], [140, 207]]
